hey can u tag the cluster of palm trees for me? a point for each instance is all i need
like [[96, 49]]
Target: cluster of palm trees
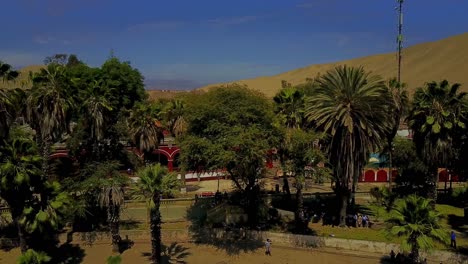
[[91, 110], [360, 113]]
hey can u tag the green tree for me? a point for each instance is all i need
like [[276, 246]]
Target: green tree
[[34, 257], [106, 184], [20, 168], [398, 101], [173, 113], [412, 171], [125, 84], [49, 105], [414, 219], [44, 215], [349, 105], [145, 127], [6, 74], [302, 158], [155, 182], [437, 117], [95, 108], [231, 128], [289, 104]]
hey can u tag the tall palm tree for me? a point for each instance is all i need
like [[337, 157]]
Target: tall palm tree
[[49, 104], [414, 219], [20, 168], [6, 74], [145, 126], [95, 107], [349, 105], [156, 181], [437, 116], [111, 196], [290, 107], [106, 185], [398, 100], [174, 116]]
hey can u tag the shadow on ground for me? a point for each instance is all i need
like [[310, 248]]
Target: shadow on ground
[[385, 260], [457, 223], [172, 254], [125, 244], [68, 253], [233, 239]]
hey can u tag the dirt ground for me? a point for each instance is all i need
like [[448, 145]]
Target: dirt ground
[[98, 253]]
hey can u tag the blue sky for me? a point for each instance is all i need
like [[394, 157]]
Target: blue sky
[[189, 43]]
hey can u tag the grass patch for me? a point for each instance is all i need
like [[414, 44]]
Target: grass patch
[[452, 220]]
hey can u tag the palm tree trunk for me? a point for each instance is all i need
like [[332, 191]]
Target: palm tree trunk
[[46, 145], [414, 251], [434, 187], [299, 215], [21, 236], [342, 193], [155, 225], [113, 216], [390, 164]]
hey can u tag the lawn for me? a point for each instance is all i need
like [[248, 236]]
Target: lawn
[[452, 220]]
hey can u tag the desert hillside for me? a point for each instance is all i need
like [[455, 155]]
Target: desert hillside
[[23, 80], [443, 59]]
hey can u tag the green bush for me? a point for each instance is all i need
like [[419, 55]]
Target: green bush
[[33, 257]]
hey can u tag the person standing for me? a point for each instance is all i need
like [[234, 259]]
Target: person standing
[[453, 240], [268, 247]]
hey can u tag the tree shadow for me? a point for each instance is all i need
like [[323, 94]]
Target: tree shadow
[[233, 239], [192, 188], [172, 254], [69, 254], [386, 260], [125, 244], [457, 223]]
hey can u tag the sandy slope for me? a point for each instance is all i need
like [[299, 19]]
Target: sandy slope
[[443, 59]]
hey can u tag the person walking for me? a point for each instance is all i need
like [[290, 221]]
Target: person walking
[[453, 240], [268, 247]]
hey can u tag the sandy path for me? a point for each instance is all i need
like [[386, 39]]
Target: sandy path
[[210, 255]]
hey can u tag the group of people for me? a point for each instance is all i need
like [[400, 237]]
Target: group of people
[[359, 220]]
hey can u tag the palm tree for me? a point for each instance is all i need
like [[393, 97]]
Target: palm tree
[[156, 181], [174, 116], [95, 107], [414, 219], [49, 104], [6, 74], [110, 194], [20, 168], [145, 127], [437, 116], [290, 107], [398, 97], [111, 197], [349, 104]]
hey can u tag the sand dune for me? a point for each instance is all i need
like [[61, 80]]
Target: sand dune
[[431, 61]]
